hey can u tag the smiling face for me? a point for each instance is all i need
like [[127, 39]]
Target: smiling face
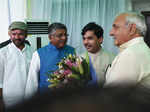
[[120, 30], [59, 38], [18, 37], [91, 42]]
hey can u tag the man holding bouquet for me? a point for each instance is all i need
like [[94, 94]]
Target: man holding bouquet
[[44, 60]]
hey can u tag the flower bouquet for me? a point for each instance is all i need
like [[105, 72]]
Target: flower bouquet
[[73, 72]]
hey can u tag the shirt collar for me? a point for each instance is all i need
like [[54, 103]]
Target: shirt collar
[[14, 46], [130, 43], [97, 53], [25, 47]]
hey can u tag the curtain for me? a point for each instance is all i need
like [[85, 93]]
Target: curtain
[[75, 14], [11, 10], [4, 20], [17, 9]]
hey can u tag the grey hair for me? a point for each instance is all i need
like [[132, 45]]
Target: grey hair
[[139, 20], [54, 26]]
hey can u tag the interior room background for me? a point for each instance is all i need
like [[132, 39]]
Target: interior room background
[[75, 14]]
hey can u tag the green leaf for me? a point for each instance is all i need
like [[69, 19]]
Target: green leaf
[[52, 85], [74, 76], [88, 63]]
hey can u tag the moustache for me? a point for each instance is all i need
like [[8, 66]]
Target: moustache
[[62, 41], [18, 39]]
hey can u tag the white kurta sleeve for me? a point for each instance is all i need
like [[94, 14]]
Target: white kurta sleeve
[[33, 76], [124, 71], [1, 71]]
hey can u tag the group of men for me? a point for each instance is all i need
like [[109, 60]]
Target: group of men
[[22, 72]]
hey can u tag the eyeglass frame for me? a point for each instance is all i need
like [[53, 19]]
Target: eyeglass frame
[[60, 35]]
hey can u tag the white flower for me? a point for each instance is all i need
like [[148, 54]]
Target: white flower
[[61, 71]]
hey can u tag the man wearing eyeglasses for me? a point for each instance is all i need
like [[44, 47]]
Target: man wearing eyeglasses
[[45, 59]]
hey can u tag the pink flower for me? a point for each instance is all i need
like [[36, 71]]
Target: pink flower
[[75, 64], [56, 72], [69, 63], [66, 72]]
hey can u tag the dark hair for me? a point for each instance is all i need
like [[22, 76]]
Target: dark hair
[[54, 26], [92, 26]]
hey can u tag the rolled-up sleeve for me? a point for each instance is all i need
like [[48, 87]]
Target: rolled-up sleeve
[[33, 76]]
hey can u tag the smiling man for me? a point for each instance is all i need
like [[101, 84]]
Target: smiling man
[[15, 56], [45, 59], [131, 67], [92, 35]]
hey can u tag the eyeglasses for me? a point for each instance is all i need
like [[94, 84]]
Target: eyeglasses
[[61, 35]]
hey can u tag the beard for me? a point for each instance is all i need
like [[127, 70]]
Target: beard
[[18, 42]]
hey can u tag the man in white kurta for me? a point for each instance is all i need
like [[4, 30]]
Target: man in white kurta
[[92, 39], [131, 67], [15, 56], [13, 72]]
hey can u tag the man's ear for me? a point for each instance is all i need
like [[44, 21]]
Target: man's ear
[[9, 33], [132, 28], [100, 40], [50, 37], [26, 34]]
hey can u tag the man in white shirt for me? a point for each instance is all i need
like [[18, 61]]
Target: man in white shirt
[[15, 56], [132, 65], [92, 39]]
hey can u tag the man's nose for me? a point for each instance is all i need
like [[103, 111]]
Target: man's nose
[[111, 33], [17, 36], [63, 37], [85, 41]]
